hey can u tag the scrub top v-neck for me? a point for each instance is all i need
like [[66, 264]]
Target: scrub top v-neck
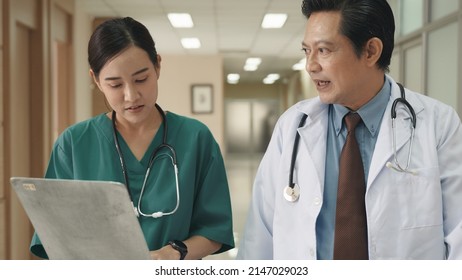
[[87, 151]]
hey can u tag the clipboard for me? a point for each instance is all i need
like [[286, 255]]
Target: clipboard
[[76, 219]]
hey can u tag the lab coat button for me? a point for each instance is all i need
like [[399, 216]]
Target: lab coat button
[[317, 201], [311, 252]]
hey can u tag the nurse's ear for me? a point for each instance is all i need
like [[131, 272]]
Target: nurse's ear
[[157, 67], [95, 79]]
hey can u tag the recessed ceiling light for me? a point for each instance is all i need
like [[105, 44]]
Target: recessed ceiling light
[[253, 61], [250, 67], [180, 20], [299, 65], [274, 20], [190, 43], [233, 78], [271, 78]]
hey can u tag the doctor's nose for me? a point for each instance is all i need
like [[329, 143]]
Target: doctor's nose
[[312, 65]]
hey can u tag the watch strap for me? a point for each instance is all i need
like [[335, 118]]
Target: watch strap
[[180, 247]]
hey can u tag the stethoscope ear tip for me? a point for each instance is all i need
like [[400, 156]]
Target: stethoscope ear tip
[[399, 169]]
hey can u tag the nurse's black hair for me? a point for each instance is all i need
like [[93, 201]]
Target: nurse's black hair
[[115, 35], [361, 20]]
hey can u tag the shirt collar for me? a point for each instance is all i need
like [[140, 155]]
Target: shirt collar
[[371, 113]]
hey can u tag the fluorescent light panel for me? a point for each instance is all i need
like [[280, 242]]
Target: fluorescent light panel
[[299, 65], [252, 63], [190, 43], [271, 78], [274, 20], [250, 67], [233, 78], [180, 20]]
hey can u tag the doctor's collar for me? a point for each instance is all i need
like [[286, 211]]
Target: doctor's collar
[[371, 113]]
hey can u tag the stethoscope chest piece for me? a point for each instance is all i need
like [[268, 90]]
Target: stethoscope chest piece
[[292, 194]]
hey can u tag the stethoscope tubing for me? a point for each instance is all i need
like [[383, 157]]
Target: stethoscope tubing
[[295, 151], [159, 214], [152, 158], [396, 166]]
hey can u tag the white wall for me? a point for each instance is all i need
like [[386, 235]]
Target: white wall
[[178, 74], [82, 32]]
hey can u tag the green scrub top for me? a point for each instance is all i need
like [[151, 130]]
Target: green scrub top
[[86, 151]]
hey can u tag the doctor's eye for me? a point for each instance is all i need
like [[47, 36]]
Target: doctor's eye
[[306, 51], [324, 51]]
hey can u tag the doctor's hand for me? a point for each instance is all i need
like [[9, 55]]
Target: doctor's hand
[[165, 253]]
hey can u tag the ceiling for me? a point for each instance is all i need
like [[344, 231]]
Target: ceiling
[[227, 27]]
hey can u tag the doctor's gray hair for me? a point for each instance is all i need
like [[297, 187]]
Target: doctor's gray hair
[[361, 21], [114, 36]]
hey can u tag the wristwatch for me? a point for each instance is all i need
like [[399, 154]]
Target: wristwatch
[[180, 247]]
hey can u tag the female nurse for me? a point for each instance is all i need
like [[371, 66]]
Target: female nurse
[[192, 212]]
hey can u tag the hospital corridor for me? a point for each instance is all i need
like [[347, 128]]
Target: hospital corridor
[[241, 170], [234, 65]]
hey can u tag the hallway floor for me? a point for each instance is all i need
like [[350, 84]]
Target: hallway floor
[[241, 169]]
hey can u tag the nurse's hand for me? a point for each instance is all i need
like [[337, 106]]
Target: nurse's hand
[[198, 248], [165, 253]]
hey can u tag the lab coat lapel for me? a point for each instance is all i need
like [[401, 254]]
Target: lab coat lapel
[[313, 137], [383, 151]]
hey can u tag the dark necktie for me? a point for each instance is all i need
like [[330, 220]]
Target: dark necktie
[[350, 241]]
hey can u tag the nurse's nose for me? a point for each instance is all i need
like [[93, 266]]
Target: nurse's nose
[[130, 92]]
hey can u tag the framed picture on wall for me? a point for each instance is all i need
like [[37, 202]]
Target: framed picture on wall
[[202, 99]]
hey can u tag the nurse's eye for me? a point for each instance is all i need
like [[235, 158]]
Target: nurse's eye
[[141, 80], [115, 85]]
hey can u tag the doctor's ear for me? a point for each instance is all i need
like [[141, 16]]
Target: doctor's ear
[[373, 51]]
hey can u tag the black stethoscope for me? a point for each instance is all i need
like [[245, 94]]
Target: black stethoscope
[[153, 157], [292, 191]]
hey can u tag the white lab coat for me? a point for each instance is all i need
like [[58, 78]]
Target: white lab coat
[[409, 216]]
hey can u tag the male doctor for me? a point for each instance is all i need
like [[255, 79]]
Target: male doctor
[[411, 211]]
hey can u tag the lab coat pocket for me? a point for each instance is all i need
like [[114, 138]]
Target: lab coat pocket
[[419, 198]]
